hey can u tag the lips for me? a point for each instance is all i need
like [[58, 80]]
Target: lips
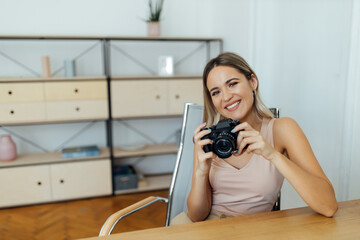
[[233, 106]]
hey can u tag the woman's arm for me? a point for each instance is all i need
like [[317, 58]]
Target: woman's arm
[[199, 199], [301, 168]]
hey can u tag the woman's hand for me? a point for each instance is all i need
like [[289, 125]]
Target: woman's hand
[[201, 158], [251, 141]]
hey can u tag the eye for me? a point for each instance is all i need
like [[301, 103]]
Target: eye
[[214, 93], [232, 84]]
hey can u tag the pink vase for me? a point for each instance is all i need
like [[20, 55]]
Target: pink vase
[[153, 29], [7, 148]]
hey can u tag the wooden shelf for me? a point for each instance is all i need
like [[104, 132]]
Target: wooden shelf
[[151, 77], [52, 122], [151, 149], [94, 37], [156, 182], [50, 79], [49, 158]]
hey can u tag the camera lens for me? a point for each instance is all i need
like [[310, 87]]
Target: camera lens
[[223, 147]]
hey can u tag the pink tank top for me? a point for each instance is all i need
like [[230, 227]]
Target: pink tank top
[[251, 189]]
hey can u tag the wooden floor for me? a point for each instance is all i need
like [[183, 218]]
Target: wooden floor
[[78, 219]]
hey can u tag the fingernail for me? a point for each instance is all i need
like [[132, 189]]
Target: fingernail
[[204, 123], [209, 129], [238, 152], [233, 130]]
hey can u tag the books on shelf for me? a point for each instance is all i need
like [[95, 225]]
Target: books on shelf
[[83, 151]]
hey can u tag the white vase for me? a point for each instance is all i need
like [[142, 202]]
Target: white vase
[[153, 29], [7, 148]]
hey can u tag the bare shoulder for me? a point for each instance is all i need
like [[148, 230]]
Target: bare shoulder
[[285, 123], [287, 131]]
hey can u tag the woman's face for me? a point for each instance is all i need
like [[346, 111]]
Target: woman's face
[[231, 92]]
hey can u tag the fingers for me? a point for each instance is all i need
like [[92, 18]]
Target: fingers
[[243, 135], [199, 133], [246, 141], [243, 126], [248, 144]]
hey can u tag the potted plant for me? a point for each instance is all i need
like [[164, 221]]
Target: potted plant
[[153, 20]]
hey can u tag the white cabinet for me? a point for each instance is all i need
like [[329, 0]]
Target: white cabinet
[[182, 91], [76, 100], [22, 102], [24, 185], [24, 92], [146, 97], [81, 179], [137, 98], [51, 100], [53, 182]]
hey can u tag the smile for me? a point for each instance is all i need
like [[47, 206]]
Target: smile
[[233, 106]]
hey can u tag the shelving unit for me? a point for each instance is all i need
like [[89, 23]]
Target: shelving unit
[[25, 101], [108, 108]]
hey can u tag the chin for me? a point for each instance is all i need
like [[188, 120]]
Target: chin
[[233, 116]]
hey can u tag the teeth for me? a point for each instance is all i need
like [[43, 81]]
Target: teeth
[[233, 105]]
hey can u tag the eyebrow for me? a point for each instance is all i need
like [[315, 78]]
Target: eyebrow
[[225, 83]]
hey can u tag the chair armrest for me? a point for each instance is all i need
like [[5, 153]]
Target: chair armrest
[[110, 223]]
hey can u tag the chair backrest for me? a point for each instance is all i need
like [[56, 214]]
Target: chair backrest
[[181, 181]]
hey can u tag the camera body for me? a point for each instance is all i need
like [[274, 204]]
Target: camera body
[[224, 141]]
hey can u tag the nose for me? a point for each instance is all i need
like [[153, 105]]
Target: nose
[[227, 95]]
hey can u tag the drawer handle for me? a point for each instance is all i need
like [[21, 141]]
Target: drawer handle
[[157, 96], [62, 181], [12, 112], [177, 96], [39, 183], [10, 92], [76, 90], [77, 109]]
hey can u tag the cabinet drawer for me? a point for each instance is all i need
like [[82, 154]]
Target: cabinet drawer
[[78, 90], [138, 98], [81, 179], [12, 113], [24, 185], [182, 91], [21, 92], [77, 110]]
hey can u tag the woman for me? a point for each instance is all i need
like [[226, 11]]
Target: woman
[[269, 150]]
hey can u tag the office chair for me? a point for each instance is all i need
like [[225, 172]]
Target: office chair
[[179, 189]]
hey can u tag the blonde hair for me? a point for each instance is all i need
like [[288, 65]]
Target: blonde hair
[[211, 115]]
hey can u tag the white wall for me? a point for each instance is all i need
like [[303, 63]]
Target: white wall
[[302, 64], [299, 49], [350, 164]]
